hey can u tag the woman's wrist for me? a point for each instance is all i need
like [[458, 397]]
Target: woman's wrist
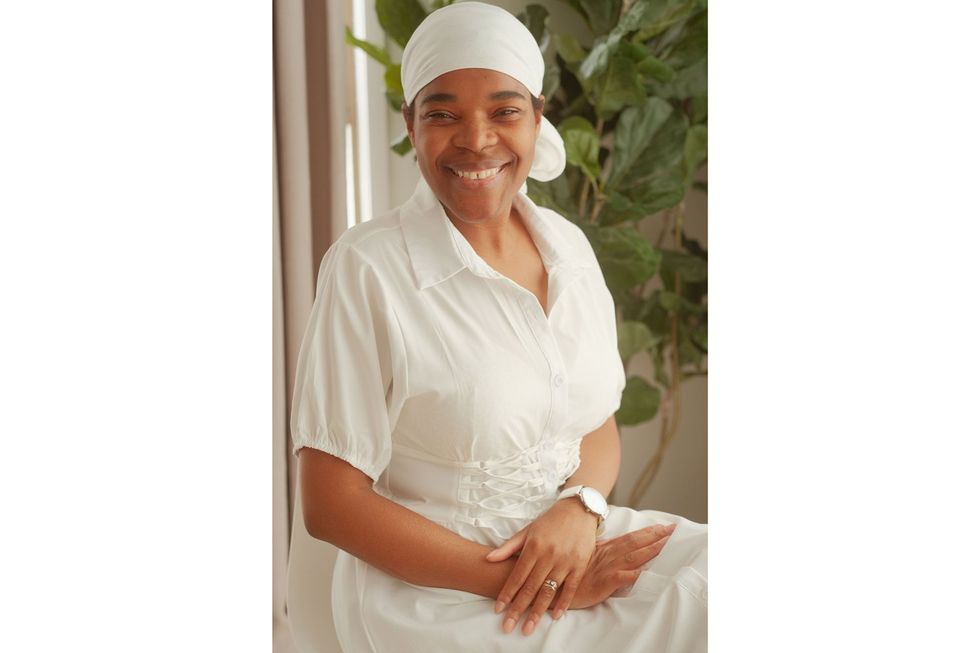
[[573, 506], [491, 576]]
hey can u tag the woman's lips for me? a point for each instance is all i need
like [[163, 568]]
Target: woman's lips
[[477, 174], [476, 178]]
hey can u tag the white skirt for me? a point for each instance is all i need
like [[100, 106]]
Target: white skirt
[[665, 610]]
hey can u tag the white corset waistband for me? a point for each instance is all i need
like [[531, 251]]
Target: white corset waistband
[[494, 497]]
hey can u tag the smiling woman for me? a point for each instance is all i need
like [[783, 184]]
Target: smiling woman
[[474, 137], [452, 413]]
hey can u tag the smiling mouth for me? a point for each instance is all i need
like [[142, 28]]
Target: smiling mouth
[[474, 175]]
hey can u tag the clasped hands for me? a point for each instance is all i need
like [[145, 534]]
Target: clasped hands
[[561, 545]]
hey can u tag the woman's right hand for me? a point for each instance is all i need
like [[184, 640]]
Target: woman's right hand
[[616, 563]]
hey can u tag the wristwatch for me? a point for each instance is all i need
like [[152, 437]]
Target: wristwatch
[[590, 497]]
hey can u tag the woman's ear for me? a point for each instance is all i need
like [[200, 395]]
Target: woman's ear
[[538, 112], [409, 116]]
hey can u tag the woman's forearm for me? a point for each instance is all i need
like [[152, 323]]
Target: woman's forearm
[[600, 458], [340, 507]]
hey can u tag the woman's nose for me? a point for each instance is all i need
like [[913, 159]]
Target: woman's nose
[[475, 135]]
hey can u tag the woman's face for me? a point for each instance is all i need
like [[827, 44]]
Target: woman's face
[[473, 122]]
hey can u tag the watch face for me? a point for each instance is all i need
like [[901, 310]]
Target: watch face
[[594, 500]]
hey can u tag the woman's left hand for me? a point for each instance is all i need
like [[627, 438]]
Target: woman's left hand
[[556, 546]]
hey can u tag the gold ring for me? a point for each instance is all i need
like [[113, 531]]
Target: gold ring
[[552, 584]]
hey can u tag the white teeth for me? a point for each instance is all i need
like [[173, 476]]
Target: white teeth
[[483, 174]]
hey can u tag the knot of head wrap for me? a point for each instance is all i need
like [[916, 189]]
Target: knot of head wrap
[[478, 35]]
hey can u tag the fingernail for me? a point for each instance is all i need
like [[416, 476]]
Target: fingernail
[[528, 627], [499, 607], [558, 614], [509, 624]]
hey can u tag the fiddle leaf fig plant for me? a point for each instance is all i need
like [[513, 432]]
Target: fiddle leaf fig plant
[[631, 107]]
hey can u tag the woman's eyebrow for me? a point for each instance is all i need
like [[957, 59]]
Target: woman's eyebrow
[[507, 95], [439, 97]]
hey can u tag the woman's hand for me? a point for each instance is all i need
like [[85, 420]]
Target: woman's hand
[[616, 563], [556, 546]]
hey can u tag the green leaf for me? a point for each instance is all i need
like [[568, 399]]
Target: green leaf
[[691, 268], [635, 17], [399, 18], [655, 317], [402, 146], [699, 109], [634, 130], [393, 86], [534, 17], [688, 354], [581, 144], [633, 337], [695, 149], [393, 79], [569, 48], [675, 303], [619, 208], [619, 87], [601, 14], [655, 68], [691, 45], [376, 52], [556, 194], [634, 51], [663, 156], [552, 80], [642, 201], [626, 257], [661, 15], [597, 60], [640, 402], [670, 301], [691, 81], [395, 100]]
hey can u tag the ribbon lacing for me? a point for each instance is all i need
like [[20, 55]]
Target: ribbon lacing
[[520, 485]]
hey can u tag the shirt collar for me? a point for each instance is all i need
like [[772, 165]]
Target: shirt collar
[[438, 250]]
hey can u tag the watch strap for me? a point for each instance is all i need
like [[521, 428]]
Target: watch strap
[[569, 492], [576, 491]]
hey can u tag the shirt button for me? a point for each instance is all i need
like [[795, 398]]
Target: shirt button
[[559, 379]]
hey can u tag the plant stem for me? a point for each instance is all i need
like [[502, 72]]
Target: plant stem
[[597, 186], [582, 197], [670, 419]]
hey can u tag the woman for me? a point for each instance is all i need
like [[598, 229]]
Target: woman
[[453, 409]]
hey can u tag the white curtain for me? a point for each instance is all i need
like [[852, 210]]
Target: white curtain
[[309, 211]]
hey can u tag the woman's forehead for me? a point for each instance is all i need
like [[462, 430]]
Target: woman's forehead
[[463, 82]]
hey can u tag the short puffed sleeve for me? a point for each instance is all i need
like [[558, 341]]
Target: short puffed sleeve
[[346, 397]]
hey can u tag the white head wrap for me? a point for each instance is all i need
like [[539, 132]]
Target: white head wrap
[[478, 35]]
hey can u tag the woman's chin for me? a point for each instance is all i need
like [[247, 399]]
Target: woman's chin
[[476, 210]]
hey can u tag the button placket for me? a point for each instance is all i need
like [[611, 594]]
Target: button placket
[[543, 335]]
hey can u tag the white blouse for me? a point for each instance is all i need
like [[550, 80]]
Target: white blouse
[[416, 344]]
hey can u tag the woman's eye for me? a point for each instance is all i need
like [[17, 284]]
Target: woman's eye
[[438, 115], [508, 112]]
